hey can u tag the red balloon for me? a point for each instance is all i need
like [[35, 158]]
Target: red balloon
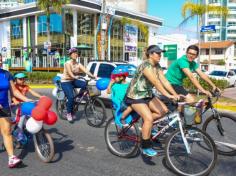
[[45, 102], [39, 113], [51, 118]]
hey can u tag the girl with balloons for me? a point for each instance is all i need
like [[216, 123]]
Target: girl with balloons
[[7, 86]]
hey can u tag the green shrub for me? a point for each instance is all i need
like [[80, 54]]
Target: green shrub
[[222, 84], [38, 77]]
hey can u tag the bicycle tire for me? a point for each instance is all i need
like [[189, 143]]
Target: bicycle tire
[[95, 112], [218, 129], [61, 109], [195, 159], [129, 142], [44, 146]]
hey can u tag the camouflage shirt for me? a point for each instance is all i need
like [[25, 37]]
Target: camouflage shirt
[[140, 87]]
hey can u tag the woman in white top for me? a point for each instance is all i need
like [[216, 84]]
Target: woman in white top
[[70, 80]]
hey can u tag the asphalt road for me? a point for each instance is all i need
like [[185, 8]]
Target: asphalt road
[[81, 151]]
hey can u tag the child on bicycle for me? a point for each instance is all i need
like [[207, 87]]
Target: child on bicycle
[[118, 87], [23, 88]]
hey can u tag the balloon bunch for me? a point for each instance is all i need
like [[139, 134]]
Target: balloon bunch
[[39, 113]]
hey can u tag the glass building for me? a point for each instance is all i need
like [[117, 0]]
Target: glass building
[[77, 26]]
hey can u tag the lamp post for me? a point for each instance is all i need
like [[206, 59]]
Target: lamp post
[[103, 29]]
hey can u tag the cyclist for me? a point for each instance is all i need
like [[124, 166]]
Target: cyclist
[[22, 87], [70, 81], [118, 87], [184, 67], [141, 99], [7, 86]]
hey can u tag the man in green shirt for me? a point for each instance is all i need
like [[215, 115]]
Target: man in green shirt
[[184, 67]]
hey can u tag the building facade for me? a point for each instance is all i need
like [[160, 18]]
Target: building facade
[[25, 30], [225, 28], [217, 54]]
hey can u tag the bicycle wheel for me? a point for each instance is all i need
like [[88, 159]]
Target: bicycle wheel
[[44, 146], [95, 112], [61, 109], [202, 157], [122, 142], [223, 132]]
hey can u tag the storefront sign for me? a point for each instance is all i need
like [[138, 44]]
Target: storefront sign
[[131, 42]]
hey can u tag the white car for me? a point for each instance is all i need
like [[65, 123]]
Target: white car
[[227, 75], [103, 69]]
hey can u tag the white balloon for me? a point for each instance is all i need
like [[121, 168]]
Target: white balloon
[[54, 92], [33, 126]]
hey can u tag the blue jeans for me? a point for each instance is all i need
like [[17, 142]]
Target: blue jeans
[[68, 88]]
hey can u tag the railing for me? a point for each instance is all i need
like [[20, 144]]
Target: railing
[[44, 62]]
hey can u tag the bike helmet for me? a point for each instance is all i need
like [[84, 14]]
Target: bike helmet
[[120, 70], [73, 50]]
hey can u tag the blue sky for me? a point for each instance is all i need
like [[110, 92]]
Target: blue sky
[[170, 12]]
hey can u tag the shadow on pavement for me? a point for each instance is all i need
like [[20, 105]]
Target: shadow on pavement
[[61, 144]]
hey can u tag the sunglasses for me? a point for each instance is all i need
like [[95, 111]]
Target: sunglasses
[[192, 54], [22, 79]]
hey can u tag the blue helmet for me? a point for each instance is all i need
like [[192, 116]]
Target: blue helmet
[[121, 70]]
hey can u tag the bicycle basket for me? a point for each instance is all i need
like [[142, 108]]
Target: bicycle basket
[[93, 90], [189, 114]]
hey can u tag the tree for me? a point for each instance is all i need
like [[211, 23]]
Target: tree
[[56, 6]]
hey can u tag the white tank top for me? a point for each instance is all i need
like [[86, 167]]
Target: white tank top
[[74, 69]]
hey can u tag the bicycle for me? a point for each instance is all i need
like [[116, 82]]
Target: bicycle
[[184, 143], [42, 140], [221, 127], [94, 109]]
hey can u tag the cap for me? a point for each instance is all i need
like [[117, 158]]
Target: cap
[[20, 75], [73, 50], [155, 49]]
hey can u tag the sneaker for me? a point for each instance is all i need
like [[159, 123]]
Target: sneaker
[[149, 152], [13, 161], [69, 117]]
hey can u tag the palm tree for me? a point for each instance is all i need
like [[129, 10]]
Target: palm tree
[[56, 6], [191, 10]]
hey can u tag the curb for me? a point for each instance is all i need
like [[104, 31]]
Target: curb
[[41, 86], [224, 107]]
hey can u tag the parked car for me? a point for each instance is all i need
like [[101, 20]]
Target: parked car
[[234, 70], [227, 75], [103, 69]]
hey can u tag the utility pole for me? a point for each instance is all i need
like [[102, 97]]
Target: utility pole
[[103, 29]]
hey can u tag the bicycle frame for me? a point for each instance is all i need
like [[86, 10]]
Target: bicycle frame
[[175, 117]]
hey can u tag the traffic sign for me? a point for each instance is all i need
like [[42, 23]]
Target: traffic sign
[[46, 45], [208, 29]]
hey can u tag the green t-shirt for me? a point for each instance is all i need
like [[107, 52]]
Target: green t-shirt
[[175, 74]]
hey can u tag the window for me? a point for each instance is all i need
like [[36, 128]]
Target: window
[[207, 51], [105, 70], [231, 73], [92, 69], [218, 51], [16, 29]]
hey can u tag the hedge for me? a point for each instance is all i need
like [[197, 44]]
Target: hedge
[[222, 84], [38, 77]]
